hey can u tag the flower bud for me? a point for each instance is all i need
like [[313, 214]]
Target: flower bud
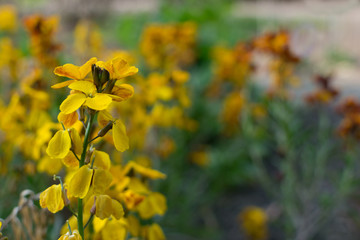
[[104, 130], [104, 76], [95, 70], [109, 86]]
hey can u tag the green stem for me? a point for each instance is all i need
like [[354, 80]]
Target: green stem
[[82, 163]]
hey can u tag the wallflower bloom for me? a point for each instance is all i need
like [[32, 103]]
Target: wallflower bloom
[[52, 199], [117, 68], [85, 177]]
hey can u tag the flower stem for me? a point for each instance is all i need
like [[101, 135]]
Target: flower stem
[[81, 163]]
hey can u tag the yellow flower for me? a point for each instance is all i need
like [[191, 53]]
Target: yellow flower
[[153, 204], [105, 207], [84, 178], [52, 198], [121, 140], [131, 198], [86, 94], [73, 236], [254, 223], [8, 18], [73, 72], [118, 68]]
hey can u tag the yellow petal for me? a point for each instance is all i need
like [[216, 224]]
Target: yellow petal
[[102, 160], [154, 204], [68, 119], [121, 140], [70, 160], [59, 145], [114, 230], [103, 206], [103, 118], [148, 172], [99, 102], [102, 180], [117, 209], [83, 86], [62, 84], [68, 70], [77, 144], [72, 103], [86, 68], [122, 69], [75, 72], [49, 165], [123, 92], [79, 184], [52, 198], [155, 232]]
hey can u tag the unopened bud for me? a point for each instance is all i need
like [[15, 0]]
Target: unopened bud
[[105, 129], [109, 86], [105, 76], [95, 70]]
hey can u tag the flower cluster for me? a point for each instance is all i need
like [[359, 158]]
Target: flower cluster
[[168, 45], [107, 194]]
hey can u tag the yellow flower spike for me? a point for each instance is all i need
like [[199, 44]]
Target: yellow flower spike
[[102, 160], [76, 141], [73, 72], [52, 199], [121, 140], [105, 207], [73, 236], [102, 180], [68, 119], [59, 145], [153, 204], [79, 184], [118, 68]]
